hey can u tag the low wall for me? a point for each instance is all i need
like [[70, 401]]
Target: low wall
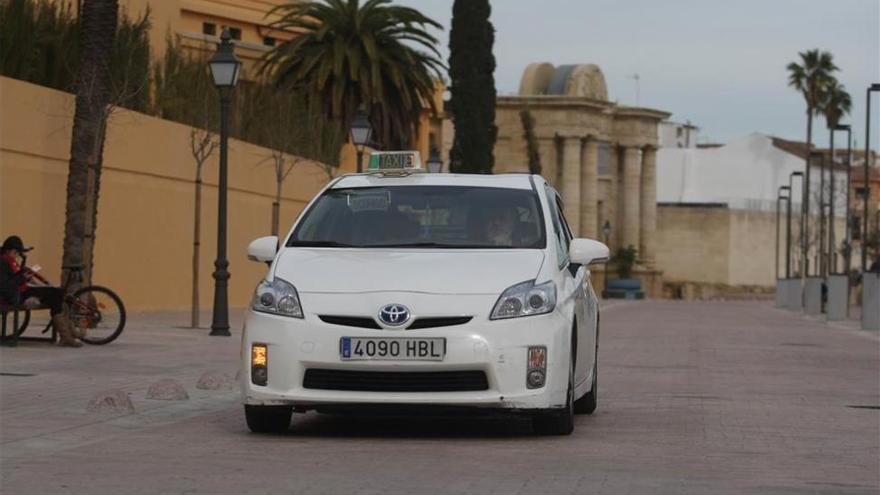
[[144, 241], [710, 244]]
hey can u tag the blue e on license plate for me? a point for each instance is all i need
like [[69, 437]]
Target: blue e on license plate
[[392, 349]]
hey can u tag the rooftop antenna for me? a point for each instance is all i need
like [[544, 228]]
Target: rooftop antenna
[[635, 77]]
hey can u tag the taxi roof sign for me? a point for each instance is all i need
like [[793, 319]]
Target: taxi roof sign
[[394, 161]]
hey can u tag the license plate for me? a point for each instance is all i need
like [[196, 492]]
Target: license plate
[[391, 349]]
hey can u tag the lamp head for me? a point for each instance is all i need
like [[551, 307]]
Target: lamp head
[[225, 66], [361, 130]]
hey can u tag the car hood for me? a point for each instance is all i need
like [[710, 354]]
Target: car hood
[[417, 270]]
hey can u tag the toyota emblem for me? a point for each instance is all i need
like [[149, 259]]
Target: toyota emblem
[[394, 315]]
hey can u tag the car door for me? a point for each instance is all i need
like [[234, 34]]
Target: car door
[[573, 289]]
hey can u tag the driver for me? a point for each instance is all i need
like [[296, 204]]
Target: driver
[[15, 288], [500, 225]]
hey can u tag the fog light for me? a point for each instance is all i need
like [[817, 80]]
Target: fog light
[[536, 379], [536, 372], [259, 364]]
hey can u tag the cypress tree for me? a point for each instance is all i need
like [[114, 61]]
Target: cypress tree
[[471, 71]]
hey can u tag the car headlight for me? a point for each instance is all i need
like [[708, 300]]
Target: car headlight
[[277, 297], [525, 299]]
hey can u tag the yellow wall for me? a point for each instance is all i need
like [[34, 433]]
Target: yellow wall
[[145, 216], [693, 244]]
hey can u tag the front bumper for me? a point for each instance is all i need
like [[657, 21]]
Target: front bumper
[[498, 348]]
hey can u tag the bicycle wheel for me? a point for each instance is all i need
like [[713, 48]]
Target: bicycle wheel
[[97, 312]]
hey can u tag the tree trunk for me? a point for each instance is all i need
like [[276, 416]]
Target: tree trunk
[[276, 207], [197, 235], [97, 31]]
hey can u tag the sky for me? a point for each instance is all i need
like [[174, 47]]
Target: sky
[[719, 64]]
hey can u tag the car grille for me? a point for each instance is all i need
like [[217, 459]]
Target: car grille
[[439, 322], [417, 324], [351, 321], [396, 381]]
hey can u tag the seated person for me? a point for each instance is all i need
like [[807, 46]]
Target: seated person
[[15, 288], [500, 226]]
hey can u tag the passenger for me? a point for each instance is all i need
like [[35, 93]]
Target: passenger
[[15, 288]]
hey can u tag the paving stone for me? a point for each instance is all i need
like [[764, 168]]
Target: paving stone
[[111, 401], [216, 380], [167, 389]]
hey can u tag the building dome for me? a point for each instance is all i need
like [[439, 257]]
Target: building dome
[[581, 80]]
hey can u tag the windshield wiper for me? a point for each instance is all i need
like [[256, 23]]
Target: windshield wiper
[[294, 243]]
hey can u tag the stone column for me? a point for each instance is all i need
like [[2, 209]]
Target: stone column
[[632, 169], [571, 182], [590, 189], [547, 150], [648, 204]]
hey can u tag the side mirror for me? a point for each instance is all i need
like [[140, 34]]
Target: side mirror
[[263, 249], [587, 252]]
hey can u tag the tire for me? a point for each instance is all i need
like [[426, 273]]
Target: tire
[[102, 318], [558, 421], [268, 419], [588, 403]]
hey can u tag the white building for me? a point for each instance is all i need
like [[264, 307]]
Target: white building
[[677, 135], [717, 213], [744, 174]]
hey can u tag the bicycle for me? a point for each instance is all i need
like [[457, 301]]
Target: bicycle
[[94, 311]]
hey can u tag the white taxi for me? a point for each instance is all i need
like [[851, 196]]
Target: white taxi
[[439, 291]]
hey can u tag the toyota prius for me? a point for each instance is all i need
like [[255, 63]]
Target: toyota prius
[[440, 291]]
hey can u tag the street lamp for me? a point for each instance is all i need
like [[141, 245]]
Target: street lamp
[[831, 243], [788, 222], [780, 197], [435, 163], [822, 261], [225, 69], [871, 88], [606, 231], [361, 130], [818, 260]]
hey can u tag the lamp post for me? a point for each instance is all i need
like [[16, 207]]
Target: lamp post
[[871, 88], [225, 69], [780, 197], [606, 231], [818, 259], [831, 241], [435, 163], [361, 130], [788, 222]]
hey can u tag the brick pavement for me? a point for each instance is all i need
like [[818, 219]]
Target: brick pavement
[[707, 397]]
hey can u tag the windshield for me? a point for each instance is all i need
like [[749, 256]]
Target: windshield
[[423, 217]]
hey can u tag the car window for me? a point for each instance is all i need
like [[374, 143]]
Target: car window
[[423, 216], [558, 228]]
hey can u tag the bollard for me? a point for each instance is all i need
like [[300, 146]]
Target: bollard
[[871, 301], [813, 296], [793, 296], [838, 286]]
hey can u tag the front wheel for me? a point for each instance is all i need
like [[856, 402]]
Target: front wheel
[[268, 419], [558, 421], [97, 313]]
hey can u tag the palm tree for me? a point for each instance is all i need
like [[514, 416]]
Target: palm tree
[[93, 92], [346, 54], [810, 77], [835, 104]]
